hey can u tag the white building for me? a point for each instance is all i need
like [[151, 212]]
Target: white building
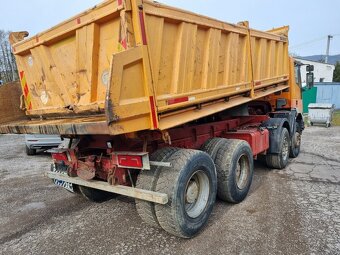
[[322, 72]]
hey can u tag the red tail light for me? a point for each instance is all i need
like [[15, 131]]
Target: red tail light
[[59, 156], [133, 161]]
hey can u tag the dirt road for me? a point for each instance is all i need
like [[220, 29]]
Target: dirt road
[[293, 211]]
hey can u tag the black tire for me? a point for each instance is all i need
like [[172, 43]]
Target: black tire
[[295, 144], [311, 123], [280, 160], [235, 170], [147, 180], [212, 146], [191, 186], [30, 152], [96, 195]]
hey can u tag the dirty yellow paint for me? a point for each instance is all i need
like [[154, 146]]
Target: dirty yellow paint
[[143, 65]]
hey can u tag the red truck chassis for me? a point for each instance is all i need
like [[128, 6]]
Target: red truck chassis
[[117, 158]]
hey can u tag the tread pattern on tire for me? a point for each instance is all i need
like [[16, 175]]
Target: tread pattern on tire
[[224, 163], [168, 179], [147, 180], [294, 152], [30, 152], [165, 184], [275, 160], [212, 146]]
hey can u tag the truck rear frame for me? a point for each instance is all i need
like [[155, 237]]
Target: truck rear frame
[[187, 104]]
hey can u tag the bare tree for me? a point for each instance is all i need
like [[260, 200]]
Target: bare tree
[[8, 67]]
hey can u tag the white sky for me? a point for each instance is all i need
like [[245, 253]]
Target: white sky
[[310, 21]]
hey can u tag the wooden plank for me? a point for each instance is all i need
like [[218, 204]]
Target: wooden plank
[[10, 102], [146, 195]]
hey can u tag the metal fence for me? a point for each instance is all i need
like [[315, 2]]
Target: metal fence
[[328, 92]]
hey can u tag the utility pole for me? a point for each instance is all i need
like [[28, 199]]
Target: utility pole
[[328, 45]]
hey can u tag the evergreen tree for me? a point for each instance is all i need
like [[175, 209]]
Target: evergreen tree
[[336, 76]]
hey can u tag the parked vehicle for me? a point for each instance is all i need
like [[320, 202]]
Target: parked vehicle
[[41, 142], [159, 104]]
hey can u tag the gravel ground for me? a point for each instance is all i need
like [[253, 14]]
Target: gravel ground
[[293, 211]]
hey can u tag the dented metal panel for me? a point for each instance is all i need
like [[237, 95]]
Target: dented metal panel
[[130, 65]]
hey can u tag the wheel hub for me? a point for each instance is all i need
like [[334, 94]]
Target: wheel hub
[[192, 192], [242, 172], [297, 139], [285, 148], [196, 194]]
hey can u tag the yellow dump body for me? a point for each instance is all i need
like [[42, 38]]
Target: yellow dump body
[[132, 65]]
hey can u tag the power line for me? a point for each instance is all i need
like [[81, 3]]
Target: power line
[[311, 41]]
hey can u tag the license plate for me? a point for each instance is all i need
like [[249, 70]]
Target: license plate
[[66, 185]]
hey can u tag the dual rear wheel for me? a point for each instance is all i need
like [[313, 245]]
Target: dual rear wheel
[[289, 147], [191, 188], [223, 167]]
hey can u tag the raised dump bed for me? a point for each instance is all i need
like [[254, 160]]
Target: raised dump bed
[[126, 66]]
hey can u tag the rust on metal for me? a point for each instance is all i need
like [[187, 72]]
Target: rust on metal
[[15, 37], [86, 170]]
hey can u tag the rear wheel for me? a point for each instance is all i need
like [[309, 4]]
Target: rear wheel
[[280, 160], [147, 180], [235, 168], [295, 144], [212, 146], [96, 195], [191, 187], [30, 152]]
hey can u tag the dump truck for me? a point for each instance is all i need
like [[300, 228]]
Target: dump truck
[[159, 104]]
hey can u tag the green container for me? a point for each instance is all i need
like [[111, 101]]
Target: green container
[[309, 97]]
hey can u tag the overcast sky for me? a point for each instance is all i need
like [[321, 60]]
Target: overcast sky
[[310, 21]]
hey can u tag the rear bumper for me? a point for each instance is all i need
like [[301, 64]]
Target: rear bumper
[[146, 195], [42, 146]]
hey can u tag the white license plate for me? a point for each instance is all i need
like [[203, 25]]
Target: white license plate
[[66, 185]]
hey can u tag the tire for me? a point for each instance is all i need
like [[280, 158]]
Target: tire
[[328, 125], [235, 170], [147, 180], [294, 149], [280, 161], [311, 123], [212, 146], [30, 152], [95, 195], [191, 186]]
